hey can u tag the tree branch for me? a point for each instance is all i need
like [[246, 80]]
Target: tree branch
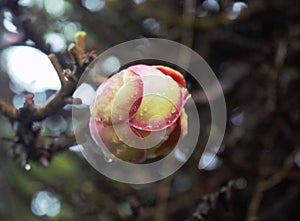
[[8, 110], [265, 185], [58, 68], [68, 78], [29, 144]]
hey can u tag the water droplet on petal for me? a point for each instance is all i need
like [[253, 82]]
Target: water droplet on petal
[[108, 159], [173, 111]]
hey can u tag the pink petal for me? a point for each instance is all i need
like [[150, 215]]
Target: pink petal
[[177, 76], [162, 102], [104, 104], [107, 139]]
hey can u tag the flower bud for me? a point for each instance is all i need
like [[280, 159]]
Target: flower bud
[[138, 113]]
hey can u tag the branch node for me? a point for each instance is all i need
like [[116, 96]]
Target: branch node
[[69, 75]]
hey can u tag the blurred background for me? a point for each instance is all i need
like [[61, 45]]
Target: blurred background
[[252, 46]]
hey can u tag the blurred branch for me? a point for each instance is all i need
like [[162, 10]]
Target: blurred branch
[[67, 78], [163, 193], [58, 68], [265, 185], [33, 145], [8, 110], [254, 12], [218, 202]]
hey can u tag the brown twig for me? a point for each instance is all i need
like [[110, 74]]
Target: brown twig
[[8, 110], [68, 78], [265, 185], [58, 68], [33, 145], [219, 202]]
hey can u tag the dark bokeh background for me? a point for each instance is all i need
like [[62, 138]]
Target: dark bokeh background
[[252, 46]]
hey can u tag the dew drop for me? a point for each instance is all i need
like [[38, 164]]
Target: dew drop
[[141, 114], [173, 111], [108, 159], [145, 109]]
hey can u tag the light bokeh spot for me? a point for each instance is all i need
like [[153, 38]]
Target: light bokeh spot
[[45, 203], [30, 69]]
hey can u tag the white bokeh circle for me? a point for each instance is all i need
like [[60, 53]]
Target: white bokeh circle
[[167, 51]]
